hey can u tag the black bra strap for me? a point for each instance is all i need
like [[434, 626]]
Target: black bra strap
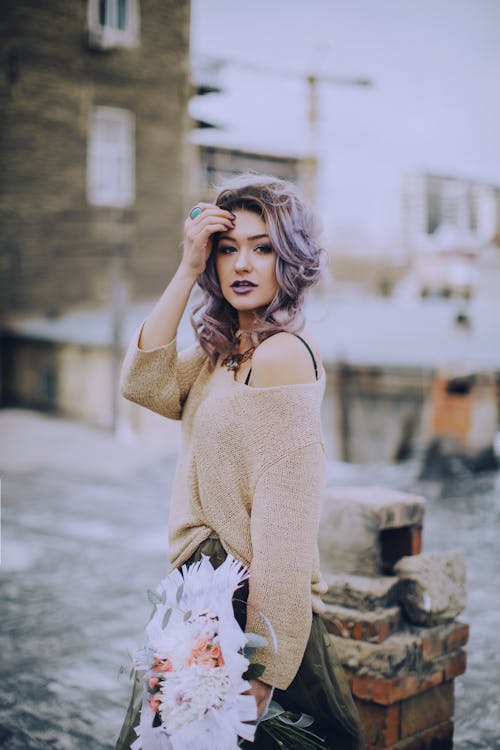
[[310, 352], [247, 380]]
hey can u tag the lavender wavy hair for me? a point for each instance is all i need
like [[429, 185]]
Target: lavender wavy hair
[[293, 231]]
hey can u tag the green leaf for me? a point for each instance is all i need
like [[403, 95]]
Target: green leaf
[[248, 652], [187, 615], [254, 671], [166, 618], [153, 597], [255, 641], [179, 593], [163, 596]]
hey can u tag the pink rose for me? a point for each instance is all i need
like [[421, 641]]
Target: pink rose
[[162, 665], [154, 702], [200, 645], [206, 660]]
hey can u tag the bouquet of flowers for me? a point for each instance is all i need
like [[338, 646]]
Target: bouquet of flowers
[[195, 666]]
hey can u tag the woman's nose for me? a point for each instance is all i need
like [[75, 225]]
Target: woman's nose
[[242, 261]]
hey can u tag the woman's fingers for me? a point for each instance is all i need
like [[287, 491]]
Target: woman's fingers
[[209, 210], [198, 231], [207, 223], [261, 693]]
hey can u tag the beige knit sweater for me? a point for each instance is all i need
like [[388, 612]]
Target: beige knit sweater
[[252, 469]]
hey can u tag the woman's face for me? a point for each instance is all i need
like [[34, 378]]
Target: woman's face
[[245, 264]]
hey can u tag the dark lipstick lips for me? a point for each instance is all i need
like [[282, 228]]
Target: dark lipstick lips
[[239, 283]]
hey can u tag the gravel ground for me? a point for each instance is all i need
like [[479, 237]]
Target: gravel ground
[[84, 535]]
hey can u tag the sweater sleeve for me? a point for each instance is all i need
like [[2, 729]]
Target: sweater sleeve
[[284, 527], [161, 378]]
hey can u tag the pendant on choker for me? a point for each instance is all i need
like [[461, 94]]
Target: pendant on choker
[[234, 361]]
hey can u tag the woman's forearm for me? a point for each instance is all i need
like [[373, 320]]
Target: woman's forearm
[[162, 323]]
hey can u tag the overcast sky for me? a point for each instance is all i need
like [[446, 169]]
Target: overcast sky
[[435, 103]]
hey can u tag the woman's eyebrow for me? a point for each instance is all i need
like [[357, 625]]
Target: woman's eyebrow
[[251, 238]]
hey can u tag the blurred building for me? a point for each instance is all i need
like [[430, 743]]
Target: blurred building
[[92, 146], [219, 154], [93, 189], [472, 208], [215, 163], [449, 225]]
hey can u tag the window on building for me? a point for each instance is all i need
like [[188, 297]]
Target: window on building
[[111, 158], [113, 23]]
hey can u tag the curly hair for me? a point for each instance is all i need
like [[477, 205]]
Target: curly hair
[[293, 232]]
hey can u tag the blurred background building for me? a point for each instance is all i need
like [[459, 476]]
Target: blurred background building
[[93, 188], [117, 117], [93, 148], [451, 230]]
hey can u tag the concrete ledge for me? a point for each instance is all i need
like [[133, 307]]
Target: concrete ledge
[[353, 520], [412, 650], [375, 626], [432, 586], [361, 592]]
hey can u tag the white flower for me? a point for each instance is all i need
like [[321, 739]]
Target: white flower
[[188, 695], [201, 706]]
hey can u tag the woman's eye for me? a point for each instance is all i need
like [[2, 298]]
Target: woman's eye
[[264, 248], [226, 249]]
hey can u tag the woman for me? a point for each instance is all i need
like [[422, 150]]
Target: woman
[[251, 469]]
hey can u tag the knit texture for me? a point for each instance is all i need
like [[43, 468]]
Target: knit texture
[[252, 469]]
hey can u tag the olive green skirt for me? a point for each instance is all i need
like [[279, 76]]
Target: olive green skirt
[[319, 687]]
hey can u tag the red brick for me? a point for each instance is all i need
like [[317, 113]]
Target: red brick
[[374, 626], [455, 666], [430, 708], [443, 639], [384, 630], [458, 637], [357, 631], [450, 413], [416, 540], [380, 724], [430, 679], [439, 737], [385, 691]]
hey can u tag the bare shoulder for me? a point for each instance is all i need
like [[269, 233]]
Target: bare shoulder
[[283, 359]]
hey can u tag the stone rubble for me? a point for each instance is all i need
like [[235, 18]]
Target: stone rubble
[[432, 587]]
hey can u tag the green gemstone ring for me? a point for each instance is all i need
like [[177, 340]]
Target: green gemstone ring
[[196, 211]]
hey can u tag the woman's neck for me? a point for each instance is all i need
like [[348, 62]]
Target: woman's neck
[[244, 333], [244, 341]]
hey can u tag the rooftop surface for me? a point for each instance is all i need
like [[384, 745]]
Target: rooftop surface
[[85, 534]]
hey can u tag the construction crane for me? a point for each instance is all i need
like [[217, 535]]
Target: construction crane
[[210, 68]]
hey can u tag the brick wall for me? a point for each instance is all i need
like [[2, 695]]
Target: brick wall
[[54, 247]]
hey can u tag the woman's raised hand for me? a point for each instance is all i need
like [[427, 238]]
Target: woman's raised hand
[[161, 325], [198, 233]]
